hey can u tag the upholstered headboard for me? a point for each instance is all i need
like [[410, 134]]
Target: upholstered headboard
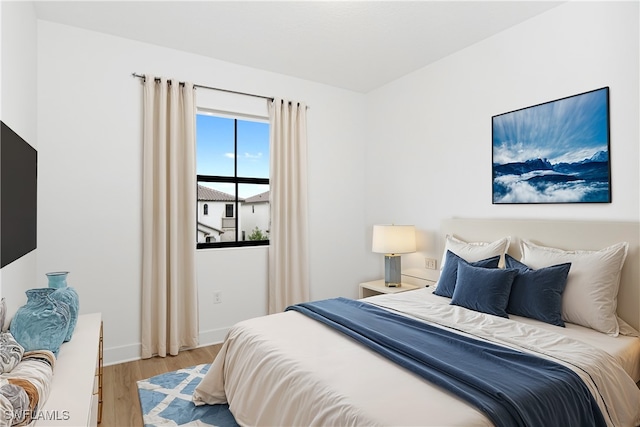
[[563, 234]]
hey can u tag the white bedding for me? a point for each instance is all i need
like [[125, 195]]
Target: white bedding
[[625, 348], [287, 369]]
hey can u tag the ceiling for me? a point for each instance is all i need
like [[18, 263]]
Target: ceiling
[[356, 45]]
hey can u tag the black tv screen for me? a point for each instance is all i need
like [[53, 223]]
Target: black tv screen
[[18, 196]]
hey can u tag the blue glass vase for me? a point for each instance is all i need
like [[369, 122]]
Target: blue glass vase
[[42, 323], [57, 279], [66, 294]]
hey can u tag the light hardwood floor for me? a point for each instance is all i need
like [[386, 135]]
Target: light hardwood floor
[[121, 406]]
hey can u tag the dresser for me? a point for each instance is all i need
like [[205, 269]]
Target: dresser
[[75, 398]]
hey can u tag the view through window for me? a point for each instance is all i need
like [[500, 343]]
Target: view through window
[[232, 164]]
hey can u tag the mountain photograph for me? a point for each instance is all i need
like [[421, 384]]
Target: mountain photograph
[[556, 152]]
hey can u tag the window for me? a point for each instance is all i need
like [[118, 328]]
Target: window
[[232, 166]]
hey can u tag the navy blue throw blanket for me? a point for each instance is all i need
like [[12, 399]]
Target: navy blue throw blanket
[[512, 388]]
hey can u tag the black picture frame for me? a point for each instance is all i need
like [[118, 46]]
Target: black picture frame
[[554, 152]]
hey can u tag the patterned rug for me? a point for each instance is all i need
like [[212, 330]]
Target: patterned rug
[[166, 401]]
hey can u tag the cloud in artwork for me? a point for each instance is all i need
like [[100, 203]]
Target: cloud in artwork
[[568, 130]]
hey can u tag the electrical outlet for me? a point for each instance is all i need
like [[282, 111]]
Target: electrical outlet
[[217, 297], [430, 263]]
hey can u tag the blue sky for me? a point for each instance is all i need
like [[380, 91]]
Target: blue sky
[[567, 130], [214, 136]]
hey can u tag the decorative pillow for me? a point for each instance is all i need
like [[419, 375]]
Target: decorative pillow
[[10, 352], [590, 297], [474, 251], [537, 294], [448, 277], [483, 289]]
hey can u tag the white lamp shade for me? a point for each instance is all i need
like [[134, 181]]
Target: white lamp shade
[[394, 239]]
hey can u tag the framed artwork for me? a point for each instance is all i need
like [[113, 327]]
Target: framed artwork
[[555, 152]]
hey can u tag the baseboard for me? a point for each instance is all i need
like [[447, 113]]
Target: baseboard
[[131, 352], [121, 354], [212, 336]]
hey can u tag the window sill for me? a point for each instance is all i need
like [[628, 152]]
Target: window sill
[[243, 244]]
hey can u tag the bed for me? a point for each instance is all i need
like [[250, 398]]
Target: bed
[[291, 369]]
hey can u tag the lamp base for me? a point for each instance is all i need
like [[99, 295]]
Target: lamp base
[[392, 271]]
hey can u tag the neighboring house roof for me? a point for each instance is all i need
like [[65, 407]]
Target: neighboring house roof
[[207, 229], [262, 197], [211, 195]]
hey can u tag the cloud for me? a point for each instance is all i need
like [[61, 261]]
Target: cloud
[[521, 191], [567, 130], [517, 152], [249, 156]]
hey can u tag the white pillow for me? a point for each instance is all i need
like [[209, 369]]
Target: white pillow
[[590, 297], [475, 251]]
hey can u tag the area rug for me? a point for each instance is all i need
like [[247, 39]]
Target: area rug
[[166, 401]]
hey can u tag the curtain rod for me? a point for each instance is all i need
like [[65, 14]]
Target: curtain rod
[[270, 98]]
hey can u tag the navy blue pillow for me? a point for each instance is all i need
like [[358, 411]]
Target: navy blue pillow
[[448, 275], [537, 294], [484, 289]]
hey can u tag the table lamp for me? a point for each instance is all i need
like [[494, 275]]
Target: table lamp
[[393, 240]]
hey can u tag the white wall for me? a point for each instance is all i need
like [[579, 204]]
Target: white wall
[[239, 274], [89, 127], [429, 133], [18, 111]]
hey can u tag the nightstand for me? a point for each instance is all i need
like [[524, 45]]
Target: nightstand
[[377, 287]]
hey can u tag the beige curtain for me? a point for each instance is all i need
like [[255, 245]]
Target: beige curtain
[[288, 234], [169, 291]]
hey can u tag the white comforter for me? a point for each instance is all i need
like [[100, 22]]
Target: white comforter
[[289, 370]]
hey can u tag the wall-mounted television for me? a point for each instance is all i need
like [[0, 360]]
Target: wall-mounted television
[[18, 196]]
